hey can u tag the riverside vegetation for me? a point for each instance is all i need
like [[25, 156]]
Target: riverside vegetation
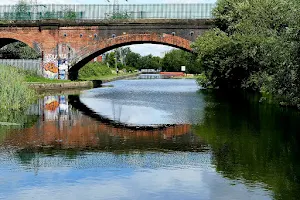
[[255, 45], [14, 93], [93, 71]]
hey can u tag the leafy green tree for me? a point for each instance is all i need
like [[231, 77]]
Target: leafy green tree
[[174, 59], [255, 45], [132, 59], [150, 62], [110, 59]]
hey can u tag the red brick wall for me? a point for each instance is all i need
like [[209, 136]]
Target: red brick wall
[[80, 44]]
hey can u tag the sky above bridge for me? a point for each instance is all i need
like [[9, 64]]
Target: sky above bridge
[[143, 49]]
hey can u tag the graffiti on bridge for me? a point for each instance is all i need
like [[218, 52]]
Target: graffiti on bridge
[[56, 65]]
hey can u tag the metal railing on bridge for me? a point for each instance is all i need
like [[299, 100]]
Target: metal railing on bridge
[[94, 12], [32, 65]]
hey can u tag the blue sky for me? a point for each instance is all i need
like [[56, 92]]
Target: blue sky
[[143, 49]]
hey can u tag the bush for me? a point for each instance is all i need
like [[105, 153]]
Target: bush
[[256, 46], [130, 69], [203, 81], [14, 93], [94, 69]]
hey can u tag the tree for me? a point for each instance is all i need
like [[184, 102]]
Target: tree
[[176, 58], [133, 59], [110, 59], [255, 45], [150, 62]]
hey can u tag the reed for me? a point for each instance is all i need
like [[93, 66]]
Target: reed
[[14, 92]]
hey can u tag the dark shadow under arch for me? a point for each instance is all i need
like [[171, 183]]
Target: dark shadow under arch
[[6, 41], [73, 72]]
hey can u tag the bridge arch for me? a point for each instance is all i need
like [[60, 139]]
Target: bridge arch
[[8, 38], [89, 52]]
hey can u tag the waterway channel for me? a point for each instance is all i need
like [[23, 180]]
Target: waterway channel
[[150, 139]]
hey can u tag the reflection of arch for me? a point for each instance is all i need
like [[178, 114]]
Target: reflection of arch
[[91, 51], [76, 103]]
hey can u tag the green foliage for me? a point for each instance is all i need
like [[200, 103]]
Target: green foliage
[[132, 59], [174, 59], [129, 69], [149, 62], [18, 50], [22, 11], [120, 15], [255, 45], [203, 81], [31, 77], [70, 15], [49, 15], [14, 92], [252, 142], [110, 59], [94, 69]]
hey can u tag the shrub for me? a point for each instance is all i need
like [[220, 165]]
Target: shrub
[[94, 69], [203, 81]]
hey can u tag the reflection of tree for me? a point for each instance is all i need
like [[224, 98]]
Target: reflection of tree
[[36, 159], [16, 117], [25, 156], [258, 143]]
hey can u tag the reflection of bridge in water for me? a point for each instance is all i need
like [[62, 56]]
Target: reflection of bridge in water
[[83, 129]]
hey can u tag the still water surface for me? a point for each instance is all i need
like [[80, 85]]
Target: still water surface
[[150, 139]]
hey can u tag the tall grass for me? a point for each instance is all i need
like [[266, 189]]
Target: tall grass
[[14, 93]]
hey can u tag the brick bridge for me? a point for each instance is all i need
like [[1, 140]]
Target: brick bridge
[[71, 44]]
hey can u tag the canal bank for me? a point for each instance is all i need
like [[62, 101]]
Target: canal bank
[[77, 84]]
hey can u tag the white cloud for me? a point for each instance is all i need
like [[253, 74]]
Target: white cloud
[[191, 183]]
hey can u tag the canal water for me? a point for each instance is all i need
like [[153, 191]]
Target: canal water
[[150, 139]]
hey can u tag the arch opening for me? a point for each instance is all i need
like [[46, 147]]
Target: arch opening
[[73, 72], [11, 48]]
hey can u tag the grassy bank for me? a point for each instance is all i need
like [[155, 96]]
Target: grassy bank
[[94, 71], [14, 93], [39, 79], [33, 77], [99, 71], [187, 76]]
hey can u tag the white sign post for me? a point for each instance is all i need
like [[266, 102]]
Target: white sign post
[[183, 68]]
